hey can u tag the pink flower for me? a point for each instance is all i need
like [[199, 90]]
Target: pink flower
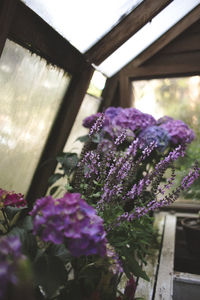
[[11, 199]]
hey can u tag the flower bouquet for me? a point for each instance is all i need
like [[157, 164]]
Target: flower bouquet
[[78, 245]]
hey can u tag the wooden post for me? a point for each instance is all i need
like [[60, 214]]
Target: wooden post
[[125, 91], [7, 10], [59, 133], [109, 92]]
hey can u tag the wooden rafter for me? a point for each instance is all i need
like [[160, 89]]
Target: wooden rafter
[[170, 35], [33, 33], [162, 71], [7, 10], [125, 91], [124, 30]]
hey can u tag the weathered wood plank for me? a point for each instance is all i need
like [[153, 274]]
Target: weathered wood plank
[[7, 11], [175, 59], [160, 71], [165, 39], [109, 92], [59, 133], [164, 285], [125, 29], [145, 289], [125, 91], [33, 33], [183, 44]]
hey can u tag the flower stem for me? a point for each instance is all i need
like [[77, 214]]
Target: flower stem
[[6, 219]]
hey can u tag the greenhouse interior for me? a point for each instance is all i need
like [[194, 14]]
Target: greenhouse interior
[[100, 150]]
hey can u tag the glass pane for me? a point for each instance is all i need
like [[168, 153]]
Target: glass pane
[[88, 107], [82, 23], [147, 35], [97, 84], [31, 93], [177, 98]]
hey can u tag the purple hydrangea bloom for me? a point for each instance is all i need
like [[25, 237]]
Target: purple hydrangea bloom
[[70, 219], [89, 121], [133, 119], [178, 131], [112, 112], [10, 254], [154, 134], [118, 118], [164, 119]]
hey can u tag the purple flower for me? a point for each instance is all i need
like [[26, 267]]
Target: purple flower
[[89, 121], [116, 264], [154, 134], [164, 119], [11, 199], [10, 254], [178, 131], [118, 119], [133, 119], [70, 219]]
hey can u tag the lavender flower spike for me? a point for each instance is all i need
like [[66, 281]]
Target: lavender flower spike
[[97, 125]]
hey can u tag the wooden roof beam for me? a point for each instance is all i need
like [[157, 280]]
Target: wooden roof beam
[[165, 39], [141, 15], [162, 71], [32, 32]]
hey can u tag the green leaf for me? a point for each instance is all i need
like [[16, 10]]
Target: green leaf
[[12, 211], [53, 178], [28, 240], [83, 138], [53, 190], [68, 161], [50, 273], [132, 266], [28, 223], [60, 251]]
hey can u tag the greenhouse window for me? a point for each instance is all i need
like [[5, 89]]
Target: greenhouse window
[[31, 93], [179, 99]]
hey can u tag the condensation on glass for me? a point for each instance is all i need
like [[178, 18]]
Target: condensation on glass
[[82, 23], [31, 92]]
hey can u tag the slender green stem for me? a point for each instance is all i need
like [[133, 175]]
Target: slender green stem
[[6, 219]]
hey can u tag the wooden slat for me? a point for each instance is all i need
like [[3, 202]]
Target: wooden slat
[[59, 133], [109, 92], [32, 32], [165, 39], [7, 10], [183, 44], [175, 59], [145, 289], [125, 29], [125, 91], [159, 71], [164, 285]]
